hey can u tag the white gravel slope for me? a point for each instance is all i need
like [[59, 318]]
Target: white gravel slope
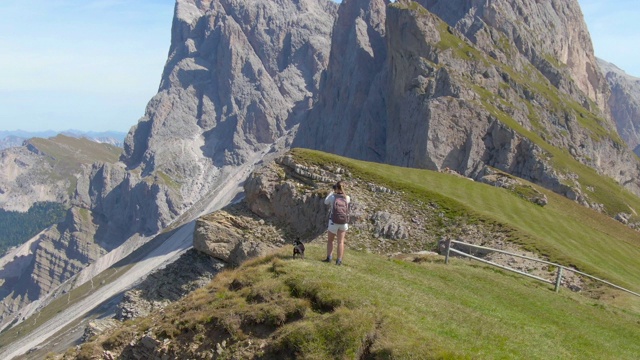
[[175, 245]]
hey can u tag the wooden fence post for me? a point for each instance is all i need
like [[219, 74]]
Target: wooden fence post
[[446, 258], [558, 278]]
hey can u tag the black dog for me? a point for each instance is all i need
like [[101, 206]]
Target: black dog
[[298, 249]]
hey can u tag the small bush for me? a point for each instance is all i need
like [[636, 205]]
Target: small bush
[[342, 334]]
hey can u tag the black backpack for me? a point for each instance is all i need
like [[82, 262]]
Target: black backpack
[[340, 210]]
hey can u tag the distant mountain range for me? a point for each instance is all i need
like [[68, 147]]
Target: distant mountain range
[[16, 138]]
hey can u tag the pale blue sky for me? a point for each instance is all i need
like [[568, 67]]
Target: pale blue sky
[[94, 64]]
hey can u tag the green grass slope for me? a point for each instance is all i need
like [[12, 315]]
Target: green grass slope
[[70, 153], [563, 231], [376, 308]]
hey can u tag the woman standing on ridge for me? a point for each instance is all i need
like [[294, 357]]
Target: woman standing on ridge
[[338, 220]]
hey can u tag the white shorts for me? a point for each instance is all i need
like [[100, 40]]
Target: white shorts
[[333, 228]]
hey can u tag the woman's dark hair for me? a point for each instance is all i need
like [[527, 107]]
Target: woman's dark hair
[[338, 187]]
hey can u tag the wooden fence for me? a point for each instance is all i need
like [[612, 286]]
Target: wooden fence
[[558, 274]]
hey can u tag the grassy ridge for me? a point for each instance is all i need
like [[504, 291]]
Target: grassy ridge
[[66, 155], [72, 152], [562, 230], [375, 308]]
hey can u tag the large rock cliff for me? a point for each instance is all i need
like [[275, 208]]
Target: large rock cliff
[[552, 35], [624, 103], [350, 116], [466, 97], [239, 75]]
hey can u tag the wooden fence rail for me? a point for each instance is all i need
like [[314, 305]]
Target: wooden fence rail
[[558, 279]]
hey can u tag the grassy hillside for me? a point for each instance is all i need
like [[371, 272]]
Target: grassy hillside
[[68, 153], [563, 231], [377, 307]]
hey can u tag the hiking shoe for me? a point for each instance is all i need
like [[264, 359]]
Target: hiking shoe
[[328, 259], [339, 262]]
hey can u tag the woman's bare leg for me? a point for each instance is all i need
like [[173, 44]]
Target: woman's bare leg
[[341, 235], [330, 243]]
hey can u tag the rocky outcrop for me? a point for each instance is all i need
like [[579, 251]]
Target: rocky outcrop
[[234, 235], [191, 271], [301, 211], [506, 181], [624, 103], [285, 202]]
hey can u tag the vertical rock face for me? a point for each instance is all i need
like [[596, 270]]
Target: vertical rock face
[[237, 75], [624, 103], [552, 35], [434, 96], [350, 117]]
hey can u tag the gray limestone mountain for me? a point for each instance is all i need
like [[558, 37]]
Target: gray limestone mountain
[[369, 79], [551, 35], [491, 88], [238, 78], [47, 169], [624, 103]]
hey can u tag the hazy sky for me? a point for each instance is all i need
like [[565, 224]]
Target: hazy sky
[[94, 64]]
